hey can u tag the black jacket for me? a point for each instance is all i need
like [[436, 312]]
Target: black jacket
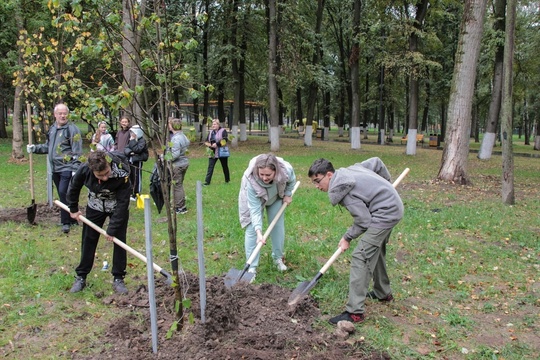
[[137, 150], [111, 196]]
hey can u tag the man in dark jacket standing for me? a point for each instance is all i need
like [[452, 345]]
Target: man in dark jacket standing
[[366, 191], [63, 147], [106, 175]]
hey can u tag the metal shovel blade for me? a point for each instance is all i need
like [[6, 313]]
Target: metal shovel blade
[[302, 290], [31, 212], [235, 275]]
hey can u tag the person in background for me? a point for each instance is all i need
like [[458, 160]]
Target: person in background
[[123, 135], [102, 140], [106, 175], [366, 191], [178, 148], [137, 152], [267, 183], [217, 138], [63, 148]]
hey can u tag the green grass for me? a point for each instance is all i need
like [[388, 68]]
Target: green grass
[[458, 261]]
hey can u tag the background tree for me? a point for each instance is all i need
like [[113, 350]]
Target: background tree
[[507, 107], [488, 140], [456, 149]]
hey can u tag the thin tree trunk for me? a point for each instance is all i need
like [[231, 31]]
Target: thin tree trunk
[[355, 86], [508, 197], [272, 81], [17, 142], [414, 93], [488, 141]]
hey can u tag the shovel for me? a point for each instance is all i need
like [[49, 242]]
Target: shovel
[[126, 247], [235, 275], [304, 288], [31, 210]]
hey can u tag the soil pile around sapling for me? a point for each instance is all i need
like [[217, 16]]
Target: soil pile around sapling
[[247, 321]]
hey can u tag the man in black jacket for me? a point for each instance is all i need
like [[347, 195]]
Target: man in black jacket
[[106, 175]]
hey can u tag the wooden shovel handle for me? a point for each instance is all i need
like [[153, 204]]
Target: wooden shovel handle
[[115, 240], [29, 115]]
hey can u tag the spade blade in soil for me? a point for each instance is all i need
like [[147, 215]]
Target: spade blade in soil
[[302, 290], [235, 275], [31, 212]]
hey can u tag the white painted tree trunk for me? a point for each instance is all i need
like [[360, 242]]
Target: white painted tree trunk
[[274, 138], [486, 148], [308, 136], [537, 142], [243, 132], [411, 141], [355, 138]]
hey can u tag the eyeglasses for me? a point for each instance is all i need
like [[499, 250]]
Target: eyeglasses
[[318, 181]]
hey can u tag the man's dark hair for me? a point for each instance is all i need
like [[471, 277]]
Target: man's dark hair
[[97, 160], [320, 167]]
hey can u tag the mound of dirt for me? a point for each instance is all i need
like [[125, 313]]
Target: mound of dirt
[[245, 322]]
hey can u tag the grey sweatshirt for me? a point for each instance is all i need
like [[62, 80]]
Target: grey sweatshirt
[[365, 190]]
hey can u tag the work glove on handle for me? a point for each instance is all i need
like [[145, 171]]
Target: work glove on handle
[[30, 148]]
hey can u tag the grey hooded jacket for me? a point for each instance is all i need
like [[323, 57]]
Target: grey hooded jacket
[[365, 190]]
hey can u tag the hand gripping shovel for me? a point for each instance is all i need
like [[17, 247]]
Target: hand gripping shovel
[[126, 247], [304, 288], [31, 210], [235, 275]]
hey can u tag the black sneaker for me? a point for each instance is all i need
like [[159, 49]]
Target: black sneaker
[[66, 228], [388, 297], [181, 211], [119, 287], [78, 285], [347, 316]]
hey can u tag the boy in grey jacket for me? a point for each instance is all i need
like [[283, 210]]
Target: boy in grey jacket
[[366, 191]]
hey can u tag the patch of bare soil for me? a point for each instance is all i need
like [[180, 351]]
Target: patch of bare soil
[[44, 214], [245, 322]]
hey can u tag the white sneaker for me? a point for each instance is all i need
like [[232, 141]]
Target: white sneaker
[[253, 271], [280, 265]]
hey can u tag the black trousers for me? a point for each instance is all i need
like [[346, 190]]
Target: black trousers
[[212, 163], [61, 181], [89, 244]]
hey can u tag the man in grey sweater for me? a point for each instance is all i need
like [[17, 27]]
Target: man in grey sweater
[[366, 191]]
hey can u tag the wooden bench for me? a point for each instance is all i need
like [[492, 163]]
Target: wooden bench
[[419, 139]]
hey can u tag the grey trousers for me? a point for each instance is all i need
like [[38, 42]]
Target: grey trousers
[[368, 261]]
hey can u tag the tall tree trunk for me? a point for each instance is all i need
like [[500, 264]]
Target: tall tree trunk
[[456, 148], [488, 141], [507, 179], [381, 106], [313, 86], [272, 80], [131, 40], [206, 81], [17, 142], [355, 81], [414, 93]]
